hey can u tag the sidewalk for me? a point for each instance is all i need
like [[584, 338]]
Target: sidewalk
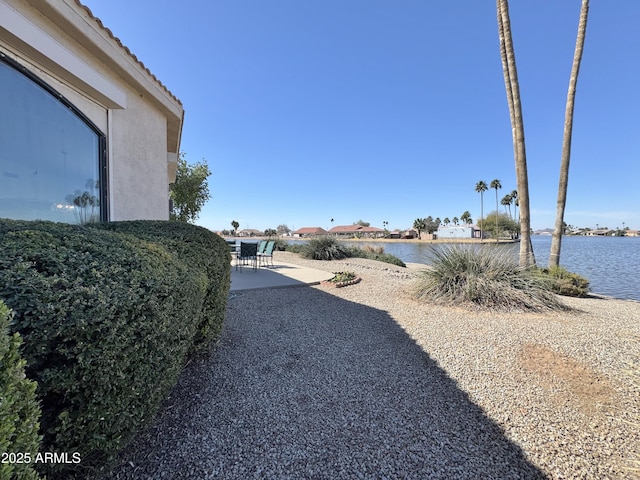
[[280, 275]]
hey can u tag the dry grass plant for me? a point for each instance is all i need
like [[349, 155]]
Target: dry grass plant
[[486, 277]]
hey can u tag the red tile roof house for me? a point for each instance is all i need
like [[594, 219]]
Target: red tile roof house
[[82, 118], [310, 232], [357, 231]]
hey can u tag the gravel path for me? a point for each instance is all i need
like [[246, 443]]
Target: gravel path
[[363, 382]]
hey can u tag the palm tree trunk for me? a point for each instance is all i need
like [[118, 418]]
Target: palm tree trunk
[[556, 240], [481, 216], [507, 54]]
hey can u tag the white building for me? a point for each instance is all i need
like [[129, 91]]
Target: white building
[[458, 231], [86, 131]]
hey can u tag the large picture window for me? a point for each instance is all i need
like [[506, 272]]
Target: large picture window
[[52, 157]]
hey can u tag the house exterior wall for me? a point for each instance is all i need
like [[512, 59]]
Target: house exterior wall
[[61, 43], [455, 232]]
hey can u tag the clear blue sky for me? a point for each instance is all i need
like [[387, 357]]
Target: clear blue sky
[[392, 110]]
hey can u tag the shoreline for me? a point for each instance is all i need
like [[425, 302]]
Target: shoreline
[[486, 241]]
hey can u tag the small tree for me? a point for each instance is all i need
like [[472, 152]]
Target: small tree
[[235, 226], [270, 232], [500, 223], [282, 229], [190, 191]]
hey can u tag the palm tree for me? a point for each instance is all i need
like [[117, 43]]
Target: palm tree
[[446, 221], [506, 202], [514, 198], [235, 226], [466, 217], [496, 184], [455, 220], [517, 128], [420, 225], [481, 187], [556, 239]]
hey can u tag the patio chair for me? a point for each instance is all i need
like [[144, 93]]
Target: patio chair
[[268, 253], [248, 254], [261, 246]]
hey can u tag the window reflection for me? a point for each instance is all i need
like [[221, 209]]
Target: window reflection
[[49, 154]]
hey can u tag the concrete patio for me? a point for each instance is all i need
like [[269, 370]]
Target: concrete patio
[[280, 275]]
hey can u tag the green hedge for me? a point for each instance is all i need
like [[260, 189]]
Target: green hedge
[[19, 409], [108, 320], [199, 249]]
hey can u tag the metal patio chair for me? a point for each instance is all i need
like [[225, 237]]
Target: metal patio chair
[[248, 255]]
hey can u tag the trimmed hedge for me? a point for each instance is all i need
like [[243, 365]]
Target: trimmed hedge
[[108, 320], [19, 409], [199, 249]]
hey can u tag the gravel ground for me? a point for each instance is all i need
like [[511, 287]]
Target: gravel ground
[[364, 382]]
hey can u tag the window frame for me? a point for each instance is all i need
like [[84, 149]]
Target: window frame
[[103, 172]]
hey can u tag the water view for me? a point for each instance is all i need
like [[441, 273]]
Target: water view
[[610, 263]]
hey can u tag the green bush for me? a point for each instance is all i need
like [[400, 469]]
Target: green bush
[[108, 320], [201, 250], [294, 247], [564, 282], [324, 248], [484, 277], [374, 254], [19, 409]]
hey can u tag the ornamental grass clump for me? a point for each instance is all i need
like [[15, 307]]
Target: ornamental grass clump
[[483, 277], [324, 248]]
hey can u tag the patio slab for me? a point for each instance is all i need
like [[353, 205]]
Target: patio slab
[[281, 275]]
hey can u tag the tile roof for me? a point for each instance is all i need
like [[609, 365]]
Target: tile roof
[[355, 228], [310, 230], [126, 49]]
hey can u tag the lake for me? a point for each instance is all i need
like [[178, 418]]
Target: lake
[[612, 264]]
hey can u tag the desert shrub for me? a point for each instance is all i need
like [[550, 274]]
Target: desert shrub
[[324, 248], [374, 254], [564, 282], [107, 321], [485, 278], [19, 409], [202, 251], [371, 250], [294, 247], [280, 245]]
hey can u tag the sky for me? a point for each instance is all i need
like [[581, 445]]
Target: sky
[[388, 111]]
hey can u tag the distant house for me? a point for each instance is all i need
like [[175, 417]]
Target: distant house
[[632, 233], [357, 231], [598, 233], [458, 231], [310, 232], [250, 232]]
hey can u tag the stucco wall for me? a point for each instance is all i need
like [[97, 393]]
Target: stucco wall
[[61, 43]]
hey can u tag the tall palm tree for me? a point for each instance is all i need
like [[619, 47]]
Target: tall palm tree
[[514, 198], [507, 55], [496, 184], [481, 187], [506, 203], [556, 239]]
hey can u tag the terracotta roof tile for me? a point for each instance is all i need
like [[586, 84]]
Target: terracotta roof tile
[[126, 49]]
